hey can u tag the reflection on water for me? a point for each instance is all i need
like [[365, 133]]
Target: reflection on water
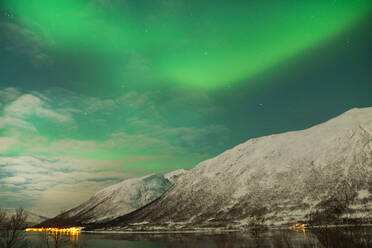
[[54, 237], [358, 237], [72, 232], [299, 227]]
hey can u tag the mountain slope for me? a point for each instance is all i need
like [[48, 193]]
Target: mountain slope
[[117, 200], [32, 218], [322, 172]]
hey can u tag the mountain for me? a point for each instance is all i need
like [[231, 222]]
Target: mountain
[[117, 200], [32, 217], [173, 176], [321, 173]]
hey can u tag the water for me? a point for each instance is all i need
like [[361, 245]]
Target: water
[[357, 237]]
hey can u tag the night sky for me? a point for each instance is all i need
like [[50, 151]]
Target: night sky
[[93, 92]]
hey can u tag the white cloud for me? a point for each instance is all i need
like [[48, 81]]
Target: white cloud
[[27, 105], [13, 180], [135, 110], [6, 143], [13, 123], [18, 108], [9, 94], [51, 184]]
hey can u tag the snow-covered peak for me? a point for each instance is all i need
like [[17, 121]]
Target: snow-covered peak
[[173, 176], [118, 199], [122, 185]]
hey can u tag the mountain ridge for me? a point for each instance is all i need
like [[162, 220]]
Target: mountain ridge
[[116, 200], [32, 217], [321, 172]]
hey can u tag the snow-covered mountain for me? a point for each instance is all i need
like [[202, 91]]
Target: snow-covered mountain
[[173, 176], [324, 172], [117, 200], [32, 217]]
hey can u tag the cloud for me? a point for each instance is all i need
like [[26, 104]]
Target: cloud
[[13, 180], [9, 94], [17, 119], [23, 42], [186, 138], [47, 182], [6, 142], [21, 107], [28, 104], [130, 123], [132, 136], [16, 123]]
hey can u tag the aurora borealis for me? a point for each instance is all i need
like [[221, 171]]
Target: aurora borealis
[[187, 43], [93, 92]]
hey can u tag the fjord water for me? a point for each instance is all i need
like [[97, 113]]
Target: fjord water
[[317, 238]]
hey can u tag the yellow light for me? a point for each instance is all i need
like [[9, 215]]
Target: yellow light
[[68, 231]]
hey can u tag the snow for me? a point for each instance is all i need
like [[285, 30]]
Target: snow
[[363, 194], [121, 198], [173, 176], [282, 176]]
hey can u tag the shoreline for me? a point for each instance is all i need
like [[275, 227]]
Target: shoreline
[[160, 232], [215, 231]]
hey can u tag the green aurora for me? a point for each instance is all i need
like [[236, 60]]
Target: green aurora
[[190, 43]]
